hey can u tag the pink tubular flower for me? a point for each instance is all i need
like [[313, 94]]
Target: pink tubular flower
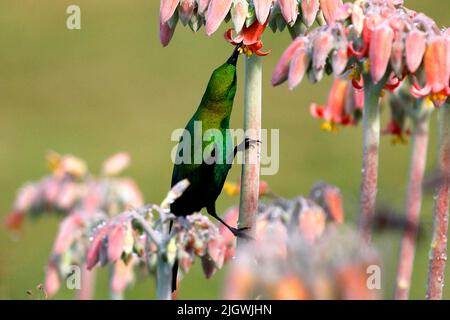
[[217, 11], [211, 13], [329, 8], [340, 108], [309, 10], [437, 71], [415, 48], [281, 71], [380, 51], [248, 39]]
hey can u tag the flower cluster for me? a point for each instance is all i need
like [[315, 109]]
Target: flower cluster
[[305, 216], [335, 266], [245, 15], [85, 200], [142, 235], [378, 38], [344, 106]]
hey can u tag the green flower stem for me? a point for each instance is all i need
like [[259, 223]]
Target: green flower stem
[[371, 143], [438, 251], [413, 205], [252, 126]]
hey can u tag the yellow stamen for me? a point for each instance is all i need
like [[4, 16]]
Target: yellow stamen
[[399, 139], [437, 97], [328, 126], [366, 66], [231, 189]]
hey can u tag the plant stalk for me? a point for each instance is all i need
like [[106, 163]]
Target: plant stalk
[[413, 206], [163, 279], [371, 143], [87, 288], [438, 251], [252, 126]]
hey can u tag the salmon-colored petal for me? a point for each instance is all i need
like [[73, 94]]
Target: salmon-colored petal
[[298, 66], [436, 64], [357, 19], [317, 111], [14, 220], [309, 11], [397, 54], [92, 256], [380, 51], [186, 10], [122, 276], [52, 282], [339, 60], [217, 11], [167, 9], [67, 232], [418, 92], [415, 48], [202, 6], [337, 100], [165, 33], [329, 8], [216, 250], [289, 10], [322, 45], [239, 13], [280, 74], [116, 164], [311, 224], [116, 241], [262, 9]]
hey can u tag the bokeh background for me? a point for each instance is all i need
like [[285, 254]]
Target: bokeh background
[[112, 87]]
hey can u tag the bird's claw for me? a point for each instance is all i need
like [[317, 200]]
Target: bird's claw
[[248, 142], [241, 233]]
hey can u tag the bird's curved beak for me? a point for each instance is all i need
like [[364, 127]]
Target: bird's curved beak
[[234, 57]]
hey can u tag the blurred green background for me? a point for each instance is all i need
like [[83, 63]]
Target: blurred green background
[[112, 87]]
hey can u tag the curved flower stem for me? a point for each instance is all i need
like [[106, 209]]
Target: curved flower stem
[[252, 126], [438, 251], [87, 289], [413, 206], [371, 142]]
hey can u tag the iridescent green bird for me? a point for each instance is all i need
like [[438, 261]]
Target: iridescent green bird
[[206, 164]]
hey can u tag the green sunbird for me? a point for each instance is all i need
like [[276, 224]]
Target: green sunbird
[[207, 176]]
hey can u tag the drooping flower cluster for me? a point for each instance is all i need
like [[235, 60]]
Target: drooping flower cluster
[[305, 216], [142, 234], [378, 38], [249, 17], [84, 200], [335, 266]]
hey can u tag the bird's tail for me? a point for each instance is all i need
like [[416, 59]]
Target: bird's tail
[[175, 267]]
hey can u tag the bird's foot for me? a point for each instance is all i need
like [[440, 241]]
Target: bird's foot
[[250, 143], [241, 233]]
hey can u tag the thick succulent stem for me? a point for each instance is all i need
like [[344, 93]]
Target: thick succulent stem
[[413, 206], [252, 126], [163, 279], [87, 288], [438, 251], [371, 143]]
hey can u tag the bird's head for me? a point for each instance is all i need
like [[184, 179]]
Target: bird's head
[[222, 84]]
